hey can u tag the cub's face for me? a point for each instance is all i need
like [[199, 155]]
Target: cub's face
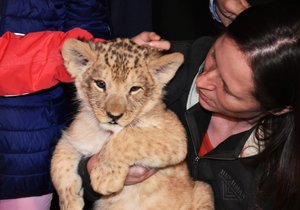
[[118, 80]]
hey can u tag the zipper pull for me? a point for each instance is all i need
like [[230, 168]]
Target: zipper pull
[[195, 163]]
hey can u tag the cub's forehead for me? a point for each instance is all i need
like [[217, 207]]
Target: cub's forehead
[[124, 52], [121, 56]]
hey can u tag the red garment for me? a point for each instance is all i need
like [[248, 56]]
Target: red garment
[[33, 62], [206, 146]]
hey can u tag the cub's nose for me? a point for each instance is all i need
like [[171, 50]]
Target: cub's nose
[[114, 117]]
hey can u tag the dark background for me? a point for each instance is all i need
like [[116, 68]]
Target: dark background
[[172, 19]]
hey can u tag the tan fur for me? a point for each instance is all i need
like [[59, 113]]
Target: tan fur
[[123, 120]]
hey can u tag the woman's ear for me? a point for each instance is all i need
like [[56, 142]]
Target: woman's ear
[[282, 111]]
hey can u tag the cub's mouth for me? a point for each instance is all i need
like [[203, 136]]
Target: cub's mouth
[[113, 122], [114, 118]]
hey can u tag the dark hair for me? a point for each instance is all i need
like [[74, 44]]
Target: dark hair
[[269, 35]]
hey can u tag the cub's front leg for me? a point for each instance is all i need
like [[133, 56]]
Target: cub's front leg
[[65, 178], [150, 147], [109, 173]]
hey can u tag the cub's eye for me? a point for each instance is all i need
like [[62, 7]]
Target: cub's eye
[[101, 84], [134, 89]]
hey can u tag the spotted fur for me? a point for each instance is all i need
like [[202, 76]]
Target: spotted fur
[[123, 120]]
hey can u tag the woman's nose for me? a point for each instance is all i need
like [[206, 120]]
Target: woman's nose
[[207, 80]]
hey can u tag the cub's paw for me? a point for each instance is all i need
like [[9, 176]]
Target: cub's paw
[[74, 205], [70, 193], [107, 180], [67, 201]]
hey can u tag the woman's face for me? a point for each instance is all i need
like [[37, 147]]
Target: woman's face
[[225, 87]]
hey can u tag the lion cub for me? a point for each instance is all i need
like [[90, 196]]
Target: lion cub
[[123, 120]]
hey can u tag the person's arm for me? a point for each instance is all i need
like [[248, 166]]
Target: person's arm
[[225, 11], [33, 62]]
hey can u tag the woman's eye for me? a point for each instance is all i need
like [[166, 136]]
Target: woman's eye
[[134, 89], [101, 84], [228, 92], [225, 89]]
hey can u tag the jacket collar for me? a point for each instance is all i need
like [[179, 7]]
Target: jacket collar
[[230, 149]]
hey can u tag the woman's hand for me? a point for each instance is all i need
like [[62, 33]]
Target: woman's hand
[[152, 39], [135, 175], [138, 174], [227, 10]]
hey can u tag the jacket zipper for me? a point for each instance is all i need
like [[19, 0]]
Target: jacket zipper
[[195, 165], [193, 138], [197, 157]]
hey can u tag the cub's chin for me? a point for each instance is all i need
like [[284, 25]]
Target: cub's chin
[[112, 127]]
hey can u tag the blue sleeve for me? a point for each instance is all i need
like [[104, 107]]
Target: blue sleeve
[[213, 11]]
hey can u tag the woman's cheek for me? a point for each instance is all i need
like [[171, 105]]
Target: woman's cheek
[[227, 104]]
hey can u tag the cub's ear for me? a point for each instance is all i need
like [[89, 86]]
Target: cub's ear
[[77, 56], [165, 67]]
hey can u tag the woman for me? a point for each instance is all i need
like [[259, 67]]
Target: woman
[[243, 134]]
